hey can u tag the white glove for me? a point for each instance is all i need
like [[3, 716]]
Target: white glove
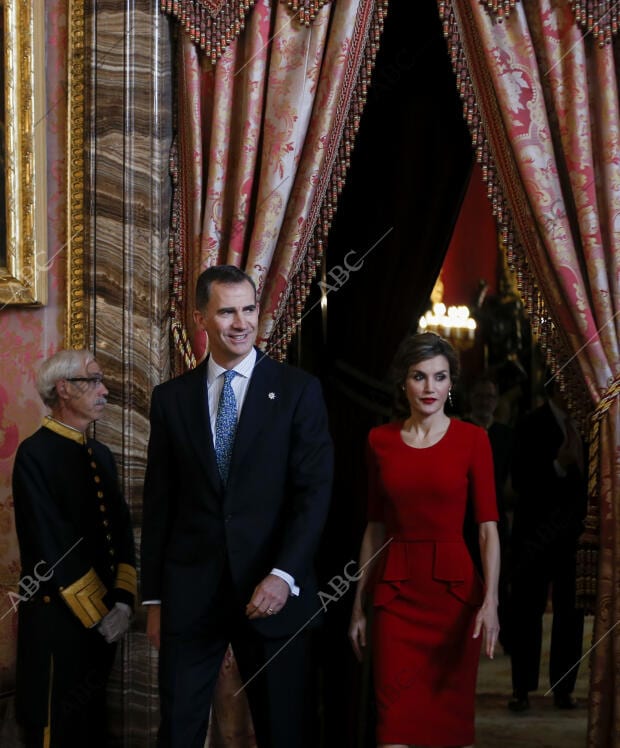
[[115, 623]]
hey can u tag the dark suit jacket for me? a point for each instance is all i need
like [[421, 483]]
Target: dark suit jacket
[[549, 509], [271, 513]]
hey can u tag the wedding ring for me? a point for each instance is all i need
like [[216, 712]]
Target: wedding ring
[[269, 611]]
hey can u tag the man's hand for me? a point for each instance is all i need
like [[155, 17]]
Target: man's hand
[[153, 624], [115, 623], [268, 598]]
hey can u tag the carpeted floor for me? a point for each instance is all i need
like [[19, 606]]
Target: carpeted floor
[[543, 726]]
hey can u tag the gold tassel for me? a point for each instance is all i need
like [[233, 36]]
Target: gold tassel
[[501, 9], [305, 10]]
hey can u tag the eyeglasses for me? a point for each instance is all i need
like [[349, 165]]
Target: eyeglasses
[[92, 381]]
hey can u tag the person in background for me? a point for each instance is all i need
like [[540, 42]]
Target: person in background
[[550, 479], [237, 490], [78, 577], [432, 611], [483, 401]]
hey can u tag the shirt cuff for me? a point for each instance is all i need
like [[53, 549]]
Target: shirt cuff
[[288, 579], [151, 602]]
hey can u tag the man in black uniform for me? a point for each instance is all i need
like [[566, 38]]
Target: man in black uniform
[[78, 576], [549, 474]]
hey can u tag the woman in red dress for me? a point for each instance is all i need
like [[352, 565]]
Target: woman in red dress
[[430, 605]]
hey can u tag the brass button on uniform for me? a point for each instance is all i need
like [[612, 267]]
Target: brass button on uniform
[[111, 551], [105, 523], [102, 507], [97, 479], [100, 494], [47, 599], [108, 537], [93, 464]]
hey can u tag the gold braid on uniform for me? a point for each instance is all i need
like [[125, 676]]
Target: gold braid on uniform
[[85, 598], [127, 579]]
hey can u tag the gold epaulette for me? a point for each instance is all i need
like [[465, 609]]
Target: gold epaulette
[[85, 598], [127, 579]]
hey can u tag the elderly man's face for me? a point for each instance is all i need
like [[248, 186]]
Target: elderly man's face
[[83, 397]]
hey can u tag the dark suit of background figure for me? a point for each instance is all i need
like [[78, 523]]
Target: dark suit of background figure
[[548, 518], [501, 437], [205, 546], [70, 515]]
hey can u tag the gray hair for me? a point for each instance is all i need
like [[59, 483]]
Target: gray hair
[[62, 365]]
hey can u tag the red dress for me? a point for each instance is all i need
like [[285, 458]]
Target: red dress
[[427, 591]]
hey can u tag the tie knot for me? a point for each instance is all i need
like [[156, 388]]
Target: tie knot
[[229, 376]]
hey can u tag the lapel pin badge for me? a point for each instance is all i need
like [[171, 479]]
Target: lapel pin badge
[[272, 395]]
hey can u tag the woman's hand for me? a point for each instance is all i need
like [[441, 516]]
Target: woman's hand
[[487, 622], [357, 632]]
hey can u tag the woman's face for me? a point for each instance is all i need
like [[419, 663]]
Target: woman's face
[[427, 385]]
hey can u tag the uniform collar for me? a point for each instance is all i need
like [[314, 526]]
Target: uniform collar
[[63, 430]]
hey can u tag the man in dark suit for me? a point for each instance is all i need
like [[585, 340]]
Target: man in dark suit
[[237, 490], [484, 399], [78, 576], [549, 477]]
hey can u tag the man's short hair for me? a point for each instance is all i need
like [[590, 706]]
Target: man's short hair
[[64, 364], [228, 274]]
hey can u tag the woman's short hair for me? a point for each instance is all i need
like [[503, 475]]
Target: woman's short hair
[[416, 348], [64, 364]]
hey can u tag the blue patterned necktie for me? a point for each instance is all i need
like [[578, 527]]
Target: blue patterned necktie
[[225, 425]]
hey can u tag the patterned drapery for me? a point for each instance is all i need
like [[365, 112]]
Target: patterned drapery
[[264, 141], [542, 103]]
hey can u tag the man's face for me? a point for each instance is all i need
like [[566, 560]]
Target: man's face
[[230, 320], [484, 399], [82, 397]]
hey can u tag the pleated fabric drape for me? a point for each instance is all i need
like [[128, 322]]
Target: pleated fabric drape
[[263, 146], [540, 93]]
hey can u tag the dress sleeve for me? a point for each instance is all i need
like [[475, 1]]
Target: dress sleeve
[[482, 480], [376, 497]]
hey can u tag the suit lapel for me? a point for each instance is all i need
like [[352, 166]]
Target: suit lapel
[[256, 410], [193, 406]]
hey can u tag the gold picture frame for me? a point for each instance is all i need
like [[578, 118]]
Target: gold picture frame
[[23, 255]]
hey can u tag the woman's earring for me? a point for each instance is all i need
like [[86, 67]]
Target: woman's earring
[[450, 398]]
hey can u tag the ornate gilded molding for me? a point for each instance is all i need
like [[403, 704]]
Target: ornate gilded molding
[[76, 328], [23, 265]]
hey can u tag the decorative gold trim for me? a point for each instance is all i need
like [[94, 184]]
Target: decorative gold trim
[[77, 313], [85, 598], [127, 579], [63, 430], [23, 280]]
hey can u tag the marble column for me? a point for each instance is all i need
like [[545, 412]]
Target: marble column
[[129, 128]]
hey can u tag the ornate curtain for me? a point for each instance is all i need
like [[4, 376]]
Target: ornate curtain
[[269, 102], [540, 94]]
